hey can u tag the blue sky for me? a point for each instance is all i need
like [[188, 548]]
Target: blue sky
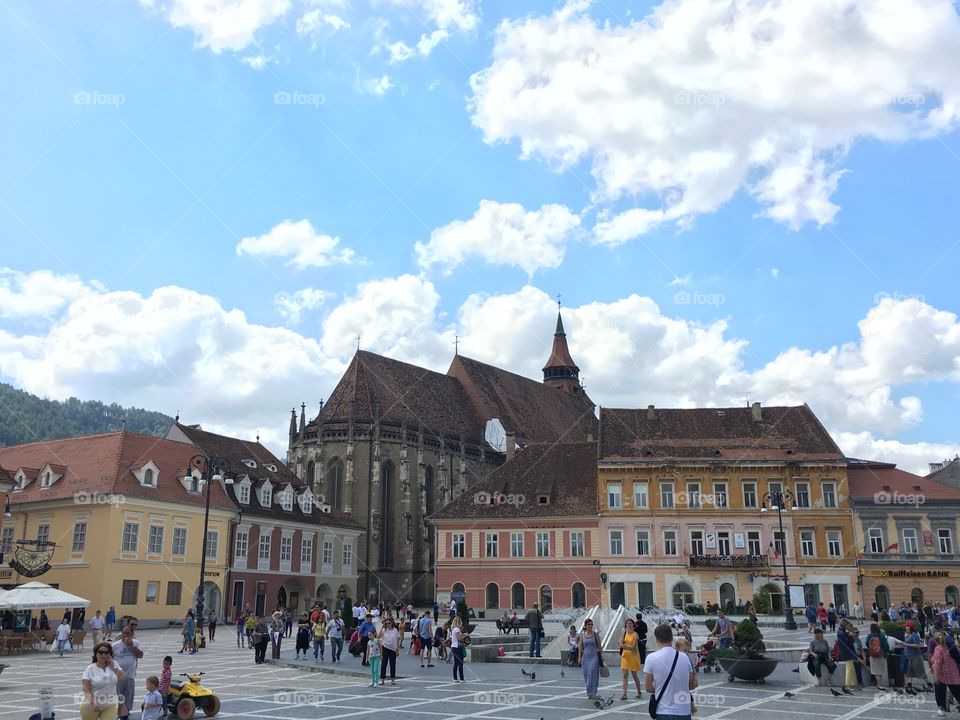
[[142, 143]]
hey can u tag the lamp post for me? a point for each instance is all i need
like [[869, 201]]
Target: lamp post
[[212, 470], [777, 500]]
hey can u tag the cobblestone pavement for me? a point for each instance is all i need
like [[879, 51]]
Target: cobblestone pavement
[[492, 691]]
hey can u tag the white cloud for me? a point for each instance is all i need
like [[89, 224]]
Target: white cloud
[[502, 234], [291, 306], [300, 242], [401, 52], [257, 62], [445, 14], [913, 457], [681, 281], [222, 24], [775, 273], [376, 86], [705, 98], [315, 20], [40, 293]]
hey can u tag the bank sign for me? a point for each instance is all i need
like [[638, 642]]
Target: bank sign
[[915, 573]]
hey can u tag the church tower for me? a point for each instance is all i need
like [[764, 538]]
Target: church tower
[[561, 371]]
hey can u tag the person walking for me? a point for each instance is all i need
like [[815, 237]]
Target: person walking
[[723, 629], [913, 657], [63, 635], [248, 626], [535, 624], [277, 625], [371, 657], [630, 657], [389, 637], [591, 658], [304, 634], [858, 612], [212, 626], [364, 632], [832, 618], [260, 637], [878, 650], [847, 656], [127, 653], [96, 627], [241, 630], [319, 629], [99, 685], [810, 613], [822, 616], [670, 678], [188, 629], [111, 621], [425, 633], [335, 632], [641, 628], [457, 648], [287, 623], [946, 675]]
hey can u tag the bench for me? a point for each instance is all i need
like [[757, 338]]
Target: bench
[[505, 626]]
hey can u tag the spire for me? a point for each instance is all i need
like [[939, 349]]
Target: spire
[[561, 371], [303, 418], [293, 423]]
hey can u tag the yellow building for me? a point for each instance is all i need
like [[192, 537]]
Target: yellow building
[[126, 527], [682, 494]]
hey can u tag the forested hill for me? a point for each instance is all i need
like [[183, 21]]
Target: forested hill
[[27, 418]]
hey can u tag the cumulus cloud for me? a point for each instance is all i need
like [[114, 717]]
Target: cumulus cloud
[[41, 293], [502, 234], [313, 21], [222, 24], [913, 457], [291, 306], [703, 99], [460, 14], [374, 86], [400, 51], [298, 241], [256, 62]]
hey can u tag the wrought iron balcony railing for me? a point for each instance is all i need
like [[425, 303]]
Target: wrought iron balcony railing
[[734, 561]]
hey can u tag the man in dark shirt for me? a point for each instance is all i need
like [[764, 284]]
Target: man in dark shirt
[[640, 627], [535, 624], [365, 628]]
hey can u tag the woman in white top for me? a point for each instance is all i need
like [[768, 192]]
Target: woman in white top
[[457, 648], [63, 636], [99, 682], [390, 640]]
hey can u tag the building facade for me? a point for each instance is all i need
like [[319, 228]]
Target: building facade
[[682, 494], [525, 534], [125, 521], [907, 531]]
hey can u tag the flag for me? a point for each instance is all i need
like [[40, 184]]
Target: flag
[[776, 553], [892, 547]]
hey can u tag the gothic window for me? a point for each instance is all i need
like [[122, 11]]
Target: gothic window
[[310, 474], [333, 492], [386, 514]]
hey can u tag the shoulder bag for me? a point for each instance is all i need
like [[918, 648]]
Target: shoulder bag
[[655, 698], [604, 670]]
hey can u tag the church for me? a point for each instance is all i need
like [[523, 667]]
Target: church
[[395, 442]]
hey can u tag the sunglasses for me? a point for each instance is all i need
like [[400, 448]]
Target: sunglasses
[[104, 652]]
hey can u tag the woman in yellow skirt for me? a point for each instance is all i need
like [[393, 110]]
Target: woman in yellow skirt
[[630, 657]]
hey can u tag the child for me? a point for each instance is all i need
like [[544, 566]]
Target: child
[[573, 639], [166, 675], [373, 657], [152, 701], [683, 645]]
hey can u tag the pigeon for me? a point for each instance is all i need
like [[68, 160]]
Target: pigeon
[[835, 693], [788, 694], [846, 691], [602, 704], [561, 675], [796, 670], [532, 676]]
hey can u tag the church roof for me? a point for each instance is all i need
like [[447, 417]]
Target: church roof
[[560, 353], [716, 434]]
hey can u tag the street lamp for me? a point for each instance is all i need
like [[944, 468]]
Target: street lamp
[[778, 500], [212, 469]]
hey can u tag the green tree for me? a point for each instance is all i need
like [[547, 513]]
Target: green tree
[[761, 601]]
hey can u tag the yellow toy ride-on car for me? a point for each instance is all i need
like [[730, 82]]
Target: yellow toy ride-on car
[[185, 696]]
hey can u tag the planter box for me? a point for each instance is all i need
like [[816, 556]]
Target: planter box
[[747, 669]]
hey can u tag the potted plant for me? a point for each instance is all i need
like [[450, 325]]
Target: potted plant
[[745, 659]]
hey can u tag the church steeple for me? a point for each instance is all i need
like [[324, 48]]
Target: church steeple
[[561, 371]]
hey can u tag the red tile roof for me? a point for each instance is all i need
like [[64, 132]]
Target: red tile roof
[[877, 482], [560, 353], [714, 434]]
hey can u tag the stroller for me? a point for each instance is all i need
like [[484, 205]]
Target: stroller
[[705, 659]]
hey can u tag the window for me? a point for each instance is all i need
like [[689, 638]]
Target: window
[[829, 495], [696, 542], [693, 495], [774, 487], [264, 548], [749, 495], [179, 541], [643, 542], [576, 544], [79, 536], [194, 484], [616, 542], [516, 544], [780, 544], [803, 495], [306, 502], [129, 592], [666, 494], [153, 589], [834, 544], [328, 552], [243, 543], [43, 533], [806, 543], [459, 545], [266, 495], [543, 544], [348, 558], [243, 493], [723, 542], [909, 541], [669, 542], [875, 535], [271, 467], [45, 480], [614, 499], [640, 500], [286, 548], [6, 540], [493, 545], [155, 539], [946, 541], [174, 590], [149, 478], [213, 541], [306, 552], [131, 531], [753, 542], [286, 499], [720, 494]]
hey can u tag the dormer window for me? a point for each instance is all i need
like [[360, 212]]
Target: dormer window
[[266, 495], [286, 498], [250, 463], [243, 491], [271, 468], [194, 484], [306, 502], [148, 474], [45, 482], [50, 474], [543, 499]]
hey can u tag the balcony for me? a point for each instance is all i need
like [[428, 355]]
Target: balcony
[[729, 561]]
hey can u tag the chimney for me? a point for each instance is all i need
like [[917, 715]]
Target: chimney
[[511, 444], [756, 413], [650, 414]]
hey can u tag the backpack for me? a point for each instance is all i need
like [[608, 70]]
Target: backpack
[[875, 647], [836, 651]]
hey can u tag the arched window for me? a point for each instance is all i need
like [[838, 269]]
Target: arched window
[[916, 597], [728, 597], [578, 595], [518, 596], [546, 598], [148, 477], [493, 596], [334, 485], [458, 592], [311, 470], [882, 596], [386, 514], [682, 595], [950, 594]]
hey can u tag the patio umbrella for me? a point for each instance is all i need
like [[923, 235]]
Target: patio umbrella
[[3, 603], [36, 596]]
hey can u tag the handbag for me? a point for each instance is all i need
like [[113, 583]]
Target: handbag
[[604, 670], [655, 698]]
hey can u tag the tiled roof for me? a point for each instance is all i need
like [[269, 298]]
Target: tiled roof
[[235, 451], [560, 353], [104, 464], [884, 484], [6, 477], [567, 472], [715, 434], [949, 474], [534, 412]]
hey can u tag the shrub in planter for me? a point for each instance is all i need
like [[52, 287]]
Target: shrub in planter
[[748, 640], [761, 602], [893, 629]]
